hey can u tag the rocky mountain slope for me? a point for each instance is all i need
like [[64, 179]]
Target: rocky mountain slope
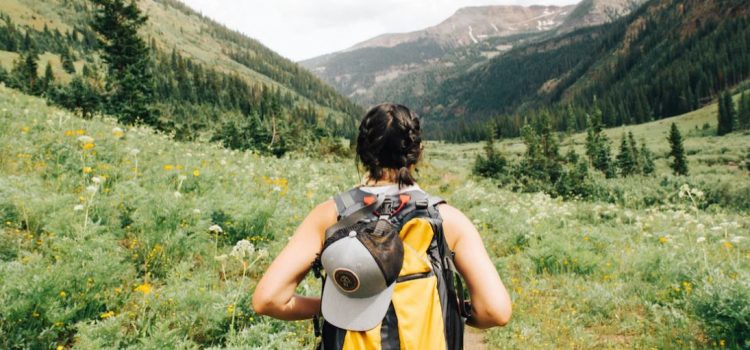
[[370, 71]]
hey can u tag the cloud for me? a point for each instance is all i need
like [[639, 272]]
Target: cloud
[[301, 29]]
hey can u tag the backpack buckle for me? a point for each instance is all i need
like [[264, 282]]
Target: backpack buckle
[[422, 204]]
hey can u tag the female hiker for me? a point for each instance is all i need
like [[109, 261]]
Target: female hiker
[[390, 281]]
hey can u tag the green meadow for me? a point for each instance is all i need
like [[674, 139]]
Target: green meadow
[[120, 237]]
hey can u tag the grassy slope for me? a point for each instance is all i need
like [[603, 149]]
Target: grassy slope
[[582, 275], [170, 28], [698, 142]]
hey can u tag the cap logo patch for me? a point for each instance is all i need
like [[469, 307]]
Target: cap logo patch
[[346, 280]]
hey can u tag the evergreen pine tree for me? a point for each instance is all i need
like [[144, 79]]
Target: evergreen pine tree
[[637, 159], [25, 74], [743, 112], [492, 164], [677, 152], [66, 59], [647, 159], [49, 77], [129, 79], [625, 159], [726, 114]]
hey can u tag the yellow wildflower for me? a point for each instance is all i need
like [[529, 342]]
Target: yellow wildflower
[[86, 169], [196, 173], [80, 132], [25, 129], [728, 245], [60, 347], [107, 314], [144, 288], [63, 294], [663, 239], [230, 309], [87, 146], [70, 132], [168, 167]]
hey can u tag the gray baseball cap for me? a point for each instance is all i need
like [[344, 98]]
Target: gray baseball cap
[[361, 270]]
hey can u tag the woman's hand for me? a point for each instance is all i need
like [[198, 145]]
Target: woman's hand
[[490, 301], [274, 295]]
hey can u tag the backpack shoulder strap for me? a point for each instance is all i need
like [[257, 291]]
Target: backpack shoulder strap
[[348, 202]]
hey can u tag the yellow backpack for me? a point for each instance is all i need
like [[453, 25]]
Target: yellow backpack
[[428, 308]]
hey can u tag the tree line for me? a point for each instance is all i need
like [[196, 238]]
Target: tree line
[[542, 168], [660, 70], [138, 82]]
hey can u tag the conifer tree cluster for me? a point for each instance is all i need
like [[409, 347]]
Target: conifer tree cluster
[[598, 145], [632, 160], [679, 163], [492, 164], [138, 81]]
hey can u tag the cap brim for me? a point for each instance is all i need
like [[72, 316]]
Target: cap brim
[[355, 314]]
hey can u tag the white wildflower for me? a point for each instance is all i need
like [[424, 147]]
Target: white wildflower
[[91, 189], [177, 194], [182, 177], [700, 239], [242, 249], [215, 229], [196, 211], [78, 207], [96, 179], [85, 139], [737, 239], [700, 227], [263, 253], [134, 151]]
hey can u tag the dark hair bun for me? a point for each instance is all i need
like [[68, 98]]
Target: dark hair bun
[[389, 137]]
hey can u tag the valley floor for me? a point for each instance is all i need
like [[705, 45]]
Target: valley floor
[[106, 240]]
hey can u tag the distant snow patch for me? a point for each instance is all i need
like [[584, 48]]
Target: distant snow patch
[[471, 35]]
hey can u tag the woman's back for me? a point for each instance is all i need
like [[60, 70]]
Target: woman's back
[[389, 147]]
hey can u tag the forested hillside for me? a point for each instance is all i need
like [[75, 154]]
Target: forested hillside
[[667, 58], [205, 80]]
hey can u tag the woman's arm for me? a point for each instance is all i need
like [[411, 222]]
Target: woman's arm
[[490, 301], [274, 296]]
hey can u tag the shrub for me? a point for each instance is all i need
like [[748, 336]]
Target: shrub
[[722, 305]]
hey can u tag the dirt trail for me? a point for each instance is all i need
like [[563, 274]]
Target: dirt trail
[[474, 339]]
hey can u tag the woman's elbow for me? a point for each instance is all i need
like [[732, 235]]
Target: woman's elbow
[[502, 317], [497, 316], [262, 304]]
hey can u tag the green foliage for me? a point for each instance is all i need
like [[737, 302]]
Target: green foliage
[[598, 145], [129, 79], [492, 164], [679, 163], [743, 112], [24, 74], [641, 67], [726, 114], [627, 161], [723, 307], [647, 159]]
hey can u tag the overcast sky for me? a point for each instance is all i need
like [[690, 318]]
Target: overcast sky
[[301, 29]]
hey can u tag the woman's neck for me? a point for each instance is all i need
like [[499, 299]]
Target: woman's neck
[[386, 179]]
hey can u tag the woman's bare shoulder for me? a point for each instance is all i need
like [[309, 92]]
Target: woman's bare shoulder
[[455, 224]]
